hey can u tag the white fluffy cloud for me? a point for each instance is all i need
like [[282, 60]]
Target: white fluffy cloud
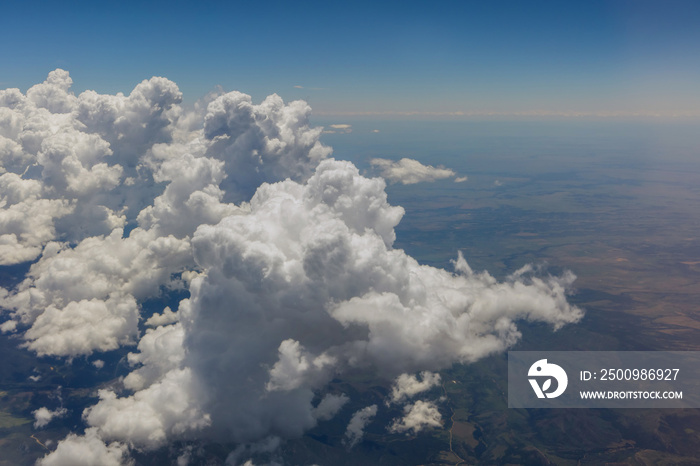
[[27, 220], [407, 385], [44, 415], [78, 300], [287, 255], [261, 143], [417, 416], [87, 450], [83, 326], [160, 350], [306, 285], [166, 410], [329, 406], [74, 156], [356, 427], [165, 318], [79, 168], [409, 171]]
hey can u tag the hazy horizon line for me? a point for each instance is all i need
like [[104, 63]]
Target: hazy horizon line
[[518, 114]]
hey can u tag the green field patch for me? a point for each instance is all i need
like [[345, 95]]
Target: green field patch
[[8, 421]]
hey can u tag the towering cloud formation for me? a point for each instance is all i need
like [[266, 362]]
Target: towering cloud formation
[[287, 255]]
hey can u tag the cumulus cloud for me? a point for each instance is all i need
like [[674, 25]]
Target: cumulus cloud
[[287, 256], [102, 325], [27, 219], [329, 406], [407, 385], [166, 318], [87, 450], [166, 410], [417, 416], [318, 256], [160, 350], [43, 416], [53, 94], [409, 171], [75, 164], [81, 299], [356, 428], [261, 143], [79, 168]]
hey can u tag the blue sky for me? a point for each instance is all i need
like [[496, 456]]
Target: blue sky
[[362, 58]]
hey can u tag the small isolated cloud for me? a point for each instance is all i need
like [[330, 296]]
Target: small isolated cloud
[[417, 417], [43, 416], [497, 183], [406, 386], [409, 171], [375, 130], [356, 428], [461, 179], [309, 88], [339, 128], [329, 406]]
